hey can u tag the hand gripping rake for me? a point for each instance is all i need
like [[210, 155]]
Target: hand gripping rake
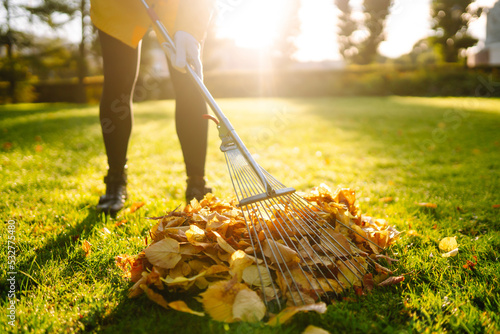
[[300, 257]]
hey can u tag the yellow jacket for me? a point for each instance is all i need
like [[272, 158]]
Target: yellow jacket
[[128, 21]]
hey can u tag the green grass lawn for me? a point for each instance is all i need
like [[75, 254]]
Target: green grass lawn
[[438, 150]]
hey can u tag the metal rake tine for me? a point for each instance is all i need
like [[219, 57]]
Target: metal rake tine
[[247, 174], [252, 216], [251, 236], [315, 253], [314, 218]]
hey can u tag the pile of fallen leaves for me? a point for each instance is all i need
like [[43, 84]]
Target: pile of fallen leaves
[[208, 250]]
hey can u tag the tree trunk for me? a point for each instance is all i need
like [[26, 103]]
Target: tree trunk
[[82, 63]]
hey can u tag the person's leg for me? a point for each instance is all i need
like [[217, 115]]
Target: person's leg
[[120, 66], [192, 130]]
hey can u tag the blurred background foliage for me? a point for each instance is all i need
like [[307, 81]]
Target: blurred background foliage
[[52, 69]]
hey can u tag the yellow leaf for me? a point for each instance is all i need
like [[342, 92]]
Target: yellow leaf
[[427, 205], [181, 306], [195, 234], [238, 262], [448, 244], [218, 299], [251, 276], [248, 306], [164, 253], [453, 252], [289, 312], [314, 330]]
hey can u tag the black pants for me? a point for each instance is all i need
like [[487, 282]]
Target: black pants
[[121, 67]]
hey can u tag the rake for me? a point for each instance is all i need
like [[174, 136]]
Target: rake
[[301, 257]]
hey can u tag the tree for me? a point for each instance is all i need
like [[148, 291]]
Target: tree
[[20, 48], [451, 19], [365, 50], [289, 28], [347, 26]]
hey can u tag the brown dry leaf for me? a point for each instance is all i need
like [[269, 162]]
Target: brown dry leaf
[[154, 296], [248, 306], [87, 247], [427, 205], [448, 244], [224, 244], [289, 312], [218, 299], [255, 276], [238, 262], [279, 253], [164, 253], [181, 306], [207, 246], [392, 281], [314, 330]]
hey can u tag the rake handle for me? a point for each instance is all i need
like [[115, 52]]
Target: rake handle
[[210, 101]]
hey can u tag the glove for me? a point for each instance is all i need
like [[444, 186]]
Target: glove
[[187, 53]]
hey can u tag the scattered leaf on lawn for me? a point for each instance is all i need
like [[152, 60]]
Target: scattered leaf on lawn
[[387, 199], [448, 244], [427, 205], [289, 312], [392, 281], [121, 222], [136, 206], [87, 247], [314, 330], [471, 265], [453, 252], [496, 206]]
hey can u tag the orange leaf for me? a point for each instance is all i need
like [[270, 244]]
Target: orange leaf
[[289, 312], [154, 296], [181, 306], [87, 247], [121, 222], [496, 206], [387, 199], [136, 206]]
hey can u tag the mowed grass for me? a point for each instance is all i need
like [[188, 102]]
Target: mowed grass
[[444, 151]]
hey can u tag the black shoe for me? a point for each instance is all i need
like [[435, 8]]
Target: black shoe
[[196, 188], [116, 193]]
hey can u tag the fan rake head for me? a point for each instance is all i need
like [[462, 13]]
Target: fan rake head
[[301, 257]]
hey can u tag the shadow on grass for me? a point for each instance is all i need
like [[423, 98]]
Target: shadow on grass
[[61, 123], [57, 249]]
